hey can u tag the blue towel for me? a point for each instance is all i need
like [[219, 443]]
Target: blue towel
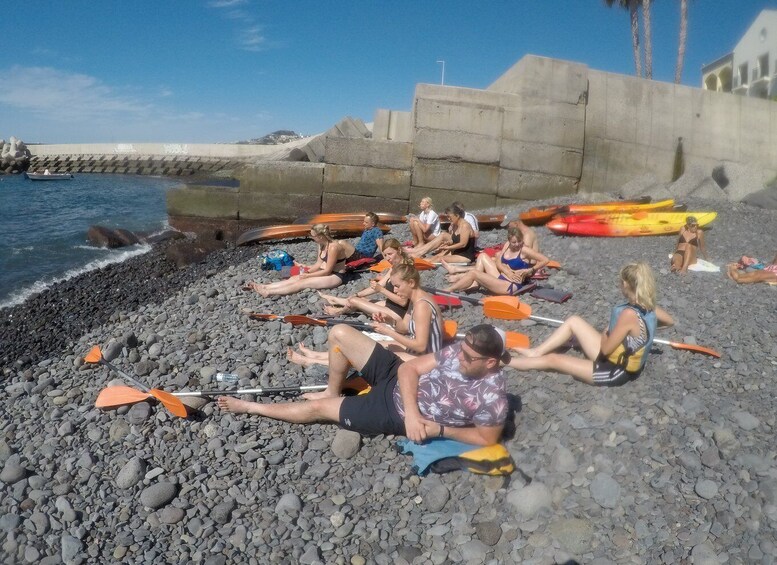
[[425, 454]]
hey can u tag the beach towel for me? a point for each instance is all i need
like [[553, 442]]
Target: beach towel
[[702, 266], [442, 455], [551, 294]]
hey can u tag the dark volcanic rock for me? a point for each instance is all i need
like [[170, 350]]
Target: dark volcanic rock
[[111, 238]]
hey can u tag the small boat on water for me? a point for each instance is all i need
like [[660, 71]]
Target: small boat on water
[[50, 176]]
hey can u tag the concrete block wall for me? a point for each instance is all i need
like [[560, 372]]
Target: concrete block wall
[[135, 164], [515, 141], [392, 125], [632, 127]]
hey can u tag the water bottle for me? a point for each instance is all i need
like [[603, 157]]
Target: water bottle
[[226, 378]]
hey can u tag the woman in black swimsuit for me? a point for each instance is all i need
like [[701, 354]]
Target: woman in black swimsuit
[[393, 306], [462, 246], [327, 272], [691, 238]]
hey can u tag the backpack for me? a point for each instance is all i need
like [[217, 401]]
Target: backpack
[[276, 260]]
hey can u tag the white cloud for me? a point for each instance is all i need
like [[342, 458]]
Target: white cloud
[[251, 39], [65, 96], [226, 3]]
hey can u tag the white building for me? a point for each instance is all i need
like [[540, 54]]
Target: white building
[[751, 69]]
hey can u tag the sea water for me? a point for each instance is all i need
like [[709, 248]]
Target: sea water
[[43, 226]]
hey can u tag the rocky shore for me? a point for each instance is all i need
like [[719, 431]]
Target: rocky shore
[[679, 466]]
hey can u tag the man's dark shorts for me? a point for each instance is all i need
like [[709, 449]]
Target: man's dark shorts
[[374, 413]]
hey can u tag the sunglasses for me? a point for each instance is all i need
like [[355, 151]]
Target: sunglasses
[[470, 358]]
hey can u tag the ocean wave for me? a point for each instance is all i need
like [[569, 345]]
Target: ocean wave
[[17, 250], [23, 294]]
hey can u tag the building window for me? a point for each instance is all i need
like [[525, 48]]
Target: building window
[[743, 73], [763, 65]]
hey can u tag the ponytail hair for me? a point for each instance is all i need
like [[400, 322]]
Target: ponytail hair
[[322, 230], [407, 273], [641, 281]]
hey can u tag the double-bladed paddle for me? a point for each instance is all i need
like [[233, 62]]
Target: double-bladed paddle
[[521, 311], [169, 401]]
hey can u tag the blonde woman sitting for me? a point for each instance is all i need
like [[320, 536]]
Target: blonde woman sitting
[[618, 354], [327, 272], [393, 306], [419, 332]]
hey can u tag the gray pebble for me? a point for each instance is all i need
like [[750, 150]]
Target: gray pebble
[[530, 499], [157, 495], [132, 472], [605, 490], [346, 444], [706, 488], [13, 470]]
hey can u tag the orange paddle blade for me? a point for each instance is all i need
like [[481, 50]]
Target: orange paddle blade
[[121, 395], [503, 309], [380, 266], [94, 355], [423, 264], [690, 347], [449, 328], [298, 320], [515, 339], [446, 301], [553, 265], [172, 403]]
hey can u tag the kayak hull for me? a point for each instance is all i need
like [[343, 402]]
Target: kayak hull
[[299, 231], [628, 225], [384, 218], [542, 214]]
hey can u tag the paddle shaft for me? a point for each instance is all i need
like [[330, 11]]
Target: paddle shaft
[[134, 381], [261, 390]]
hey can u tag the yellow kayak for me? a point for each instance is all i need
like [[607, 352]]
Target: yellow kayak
[[627, 225]]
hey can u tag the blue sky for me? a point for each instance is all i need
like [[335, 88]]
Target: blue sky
[[201, 71]]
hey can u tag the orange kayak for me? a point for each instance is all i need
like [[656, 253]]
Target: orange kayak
[[349, 217], [542, 214], [627, 225], [298, 231]]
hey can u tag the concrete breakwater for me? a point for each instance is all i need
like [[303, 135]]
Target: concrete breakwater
[[168, 165]]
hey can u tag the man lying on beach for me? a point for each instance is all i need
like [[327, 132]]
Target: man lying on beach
[[458, 392], [767, 273], [529, 235]]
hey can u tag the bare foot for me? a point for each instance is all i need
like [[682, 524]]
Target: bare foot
[[331, 299], [731, 272], [262, 290], [230, 404], [298, 358], [320, 395], [334, 310], [306, 350]]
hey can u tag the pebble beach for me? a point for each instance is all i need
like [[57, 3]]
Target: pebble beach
[[677, 466]]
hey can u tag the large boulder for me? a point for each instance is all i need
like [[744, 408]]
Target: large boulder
[[185, 253], [14, 156], [111, 238]]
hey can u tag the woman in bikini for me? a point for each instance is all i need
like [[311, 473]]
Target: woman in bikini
[[461, 249], [767, 274], [419, 332], [327, 272], [393, 306], [618, 354], [691, 238], [504, 274]]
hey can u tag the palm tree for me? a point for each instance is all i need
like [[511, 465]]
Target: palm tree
[[631, 6], [648, 38], [678, 71]]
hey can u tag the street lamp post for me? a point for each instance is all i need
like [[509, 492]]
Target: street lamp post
[[442, 78]]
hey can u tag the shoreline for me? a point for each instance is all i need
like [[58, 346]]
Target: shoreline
[[679, 464]]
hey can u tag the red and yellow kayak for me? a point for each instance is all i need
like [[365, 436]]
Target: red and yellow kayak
[[297, 231], [542, 214], [627, 225]]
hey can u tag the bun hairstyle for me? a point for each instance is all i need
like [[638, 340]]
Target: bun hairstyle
[[513, 231], [322, 230], [394, 244], [641, 281], [407, 273], [455, 209]]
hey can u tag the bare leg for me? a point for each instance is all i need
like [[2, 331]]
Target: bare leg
[[327, 409], [417, 232], [464, 281], [580, 369], [487, 265], [312, 353], [292, 286], [333, 300], [689, 258], [751, 277], [348, 348], [453, 269], [588, 337], [430, 246], [371, 307]]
